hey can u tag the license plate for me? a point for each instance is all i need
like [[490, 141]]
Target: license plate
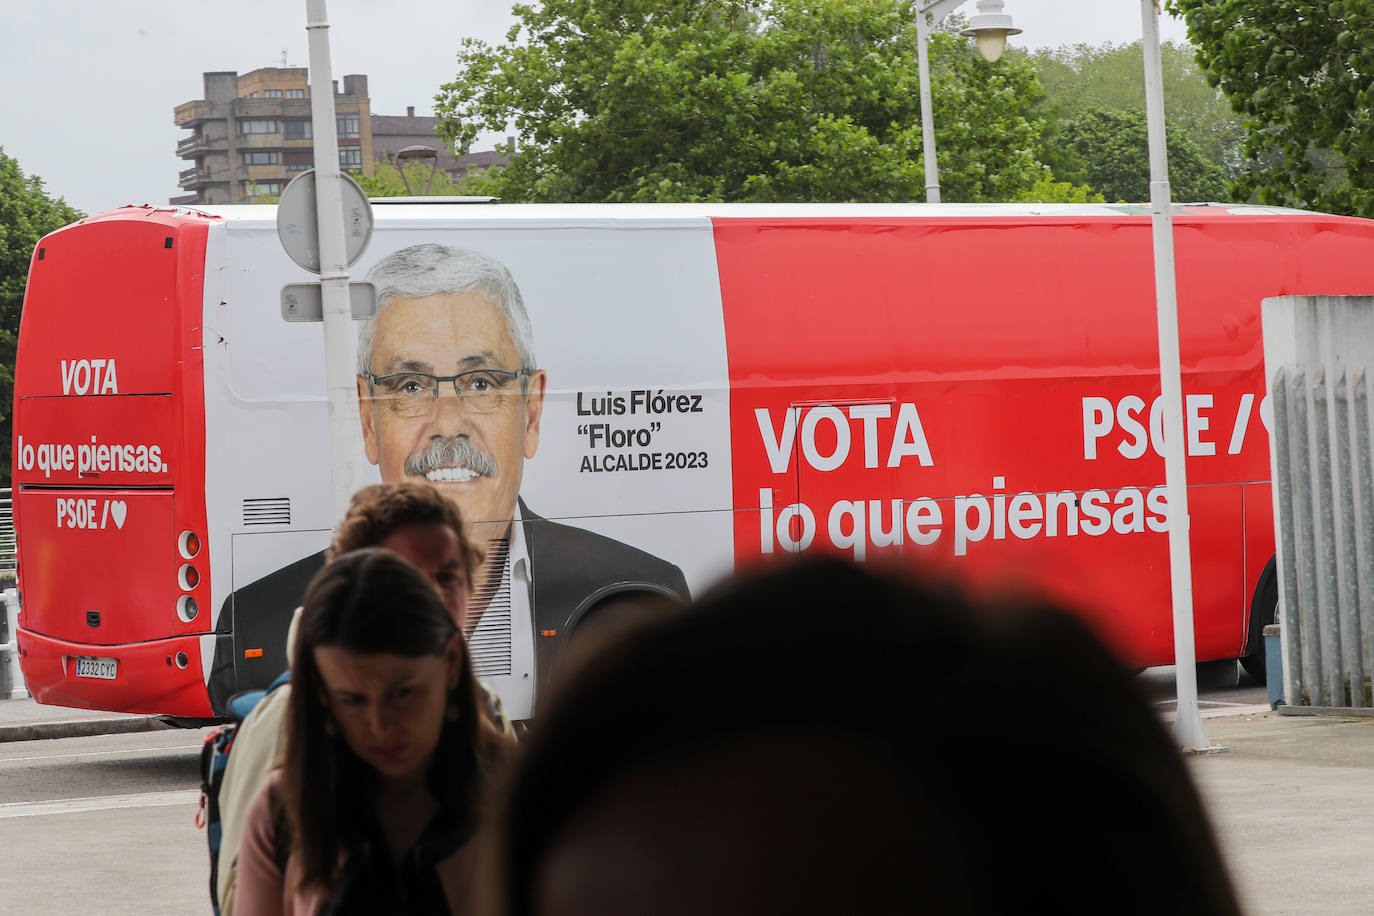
[[103, 668]]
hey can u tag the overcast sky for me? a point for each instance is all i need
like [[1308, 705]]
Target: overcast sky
[[90, 85]]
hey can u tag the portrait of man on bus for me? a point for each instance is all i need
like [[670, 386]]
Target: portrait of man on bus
[[450, 392]]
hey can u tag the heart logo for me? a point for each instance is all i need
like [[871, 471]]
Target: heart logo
[[117, 512]]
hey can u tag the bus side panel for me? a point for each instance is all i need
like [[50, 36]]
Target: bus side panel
[[1259, 543], [992, 390], [620, 310]]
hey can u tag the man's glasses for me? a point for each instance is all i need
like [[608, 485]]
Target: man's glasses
[[414, 394]]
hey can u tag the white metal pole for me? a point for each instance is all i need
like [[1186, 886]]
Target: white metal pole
[[340, 381], [927, 118], [1188, 721]]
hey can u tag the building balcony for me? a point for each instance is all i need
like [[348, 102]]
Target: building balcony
[[191, 146], [190, 178], [195, 178], [189, 113]]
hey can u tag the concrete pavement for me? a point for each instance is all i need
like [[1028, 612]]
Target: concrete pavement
[[1291, 797]]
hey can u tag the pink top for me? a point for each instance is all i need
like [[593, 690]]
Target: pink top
[[261, 882]]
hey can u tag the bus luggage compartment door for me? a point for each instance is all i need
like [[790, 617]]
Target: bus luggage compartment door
[[111, 610], [103, 566]]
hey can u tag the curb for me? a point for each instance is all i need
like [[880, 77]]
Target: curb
[[80, 728]]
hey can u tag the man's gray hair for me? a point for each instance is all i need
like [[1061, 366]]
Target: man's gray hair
[[430, 269]]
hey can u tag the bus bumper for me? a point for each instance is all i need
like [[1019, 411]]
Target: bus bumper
[[162, 677]]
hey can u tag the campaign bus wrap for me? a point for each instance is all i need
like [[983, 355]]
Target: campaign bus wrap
[[634, 401]]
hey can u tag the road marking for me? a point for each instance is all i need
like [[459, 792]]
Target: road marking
[[127, 750], [99, 803]]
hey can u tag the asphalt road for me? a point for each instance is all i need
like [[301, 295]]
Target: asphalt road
[[103, 825]]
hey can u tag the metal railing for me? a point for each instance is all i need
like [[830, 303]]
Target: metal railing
[[191, 177], [11, 680], [9, 557]]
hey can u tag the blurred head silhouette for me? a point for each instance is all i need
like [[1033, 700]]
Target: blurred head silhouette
[[832, 740]]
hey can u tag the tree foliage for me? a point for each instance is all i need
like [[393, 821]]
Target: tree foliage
[[386, 181], [1113, 146], [738, 100], [1048, 191], [1302, 74], [1082, 77], [27, 214]]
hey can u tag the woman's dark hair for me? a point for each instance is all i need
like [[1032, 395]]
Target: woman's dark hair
[[1044, 777], [370, 601]]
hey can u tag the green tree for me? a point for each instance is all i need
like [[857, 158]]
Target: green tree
[[386, 181], [1302, 74], [1049, 191], [1082, 77], [27, 214], [1114, 148], [737, 100]]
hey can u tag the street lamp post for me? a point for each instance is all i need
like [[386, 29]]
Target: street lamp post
[[417, 153], [345, 447], [990, 28], [1188, 729]]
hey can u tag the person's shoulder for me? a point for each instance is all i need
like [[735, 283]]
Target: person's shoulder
[[266, 717], [553, 545], [288, 582], [496, 710], [255, 751]]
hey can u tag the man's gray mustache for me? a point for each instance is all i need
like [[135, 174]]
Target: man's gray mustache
[[457, 452]]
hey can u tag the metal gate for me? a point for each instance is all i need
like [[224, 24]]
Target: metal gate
[[1319, 352]]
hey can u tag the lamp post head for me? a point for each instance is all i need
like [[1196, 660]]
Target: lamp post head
[[417, 152], [990, 28]]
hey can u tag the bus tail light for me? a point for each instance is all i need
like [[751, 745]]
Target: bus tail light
[[188, 544], [188, 577], [187, 609]]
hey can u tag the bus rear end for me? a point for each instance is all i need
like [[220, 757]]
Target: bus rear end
[[109, 492]]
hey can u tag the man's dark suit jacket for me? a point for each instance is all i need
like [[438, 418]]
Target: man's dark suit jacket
[[574, 571]]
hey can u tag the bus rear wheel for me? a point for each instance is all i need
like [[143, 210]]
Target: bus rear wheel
[[1264, 609]]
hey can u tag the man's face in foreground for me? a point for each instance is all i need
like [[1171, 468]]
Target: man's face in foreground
[[435, 550], [472, 447]]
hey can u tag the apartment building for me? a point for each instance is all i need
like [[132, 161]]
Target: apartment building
[[252, 133]]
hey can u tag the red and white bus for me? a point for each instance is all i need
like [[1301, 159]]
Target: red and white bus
[[969, 387]]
